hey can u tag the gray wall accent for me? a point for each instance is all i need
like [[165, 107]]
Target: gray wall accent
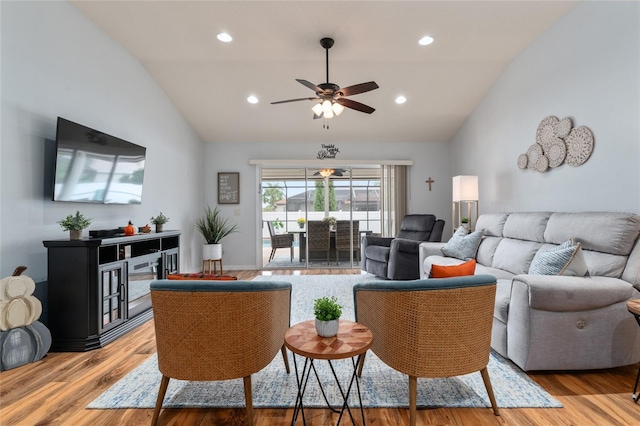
[[587, 67], [55, 62], [430, 160]]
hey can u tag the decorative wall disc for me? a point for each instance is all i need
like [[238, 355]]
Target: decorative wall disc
[[579, 146], [542, 164], [533, 153], [546, 132], [563, 127], [523, 159], [556, 153]]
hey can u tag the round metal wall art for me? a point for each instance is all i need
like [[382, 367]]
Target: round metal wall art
[[579, 146], [556, 153], [546, 132], [523, 159], [533, 153]]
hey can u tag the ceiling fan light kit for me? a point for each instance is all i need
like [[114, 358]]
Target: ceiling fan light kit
[[332, 98]]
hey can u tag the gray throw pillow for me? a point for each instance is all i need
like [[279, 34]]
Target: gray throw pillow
[[566, 259], [463, 246]]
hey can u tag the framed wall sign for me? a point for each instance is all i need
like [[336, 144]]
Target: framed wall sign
[[228, 188]]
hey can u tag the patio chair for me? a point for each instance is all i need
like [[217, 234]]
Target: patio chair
[[347, 238], [218, 330], [430, 328], [319, 236], [279, 241]]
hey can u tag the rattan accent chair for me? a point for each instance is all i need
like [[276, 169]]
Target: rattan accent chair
[[279, 241], [430, 328], [218, 330], [319, 236], [347, 238]]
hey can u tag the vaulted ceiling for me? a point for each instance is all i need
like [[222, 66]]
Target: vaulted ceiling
[[276, 42]]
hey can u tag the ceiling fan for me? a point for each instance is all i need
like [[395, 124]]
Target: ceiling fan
[[331, 172], [331, 96]]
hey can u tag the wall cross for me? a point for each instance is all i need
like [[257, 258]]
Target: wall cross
[[430, 181]]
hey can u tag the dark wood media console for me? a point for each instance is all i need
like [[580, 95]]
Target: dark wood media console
[[99, 287]]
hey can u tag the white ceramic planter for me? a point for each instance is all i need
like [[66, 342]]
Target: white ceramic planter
[[212, 252], [327, 328]]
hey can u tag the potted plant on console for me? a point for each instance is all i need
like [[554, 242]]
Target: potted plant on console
[[213, 228], [75, 225], [327, 312], [159, 221]]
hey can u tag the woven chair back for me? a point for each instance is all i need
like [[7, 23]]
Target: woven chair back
[[430, 333], [218, 335], [318, 235], [345, 235]]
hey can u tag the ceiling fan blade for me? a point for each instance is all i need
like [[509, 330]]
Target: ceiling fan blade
[[355, 105], [294, 100], [316, 116], [358, 88], [309, 85]]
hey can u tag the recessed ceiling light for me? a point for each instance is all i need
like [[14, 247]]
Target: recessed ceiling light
[[252, 99], [224, 37], [425, 41], [401, 99]]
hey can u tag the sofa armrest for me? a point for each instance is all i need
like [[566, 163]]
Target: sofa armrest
[[426, 250], [405, 246], [565, 294]]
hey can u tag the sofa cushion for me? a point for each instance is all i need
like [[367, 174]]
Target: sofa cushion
[[437, 260], [604, 264], [487, 249], [498, 273], [565, 259], [462, 245], [441, 271], [612, 232], [515, 256], [526, 226], [503, 297], [492, 224]]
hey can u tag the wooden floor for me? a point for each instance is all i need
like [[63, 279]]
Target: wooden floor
[[56, 390]]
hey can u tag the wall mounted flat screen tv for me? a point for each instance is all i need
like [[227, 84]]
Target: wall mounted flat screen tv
[[93, 167]]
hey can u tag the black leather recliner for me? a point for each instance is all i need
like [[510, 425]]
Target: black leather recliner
[[397, 258]]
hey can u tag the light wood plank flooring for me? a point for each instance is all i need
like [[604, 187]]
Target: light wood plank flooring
[[56, 390]]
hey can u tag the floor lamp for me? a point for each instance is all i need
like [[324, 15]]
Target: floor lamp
[[465, 193]]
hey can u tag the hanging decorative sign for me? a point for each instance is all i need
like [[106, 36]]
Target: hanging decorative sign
[[328, 151]]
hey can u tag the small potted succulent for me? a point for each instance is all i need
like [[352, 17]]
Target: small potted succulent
[[75, 225], [465, 222], [327, 312], [159, 221], [301, 221]]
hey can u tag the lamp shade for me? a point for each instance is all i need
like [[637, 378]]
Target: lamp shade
[[465, 188]]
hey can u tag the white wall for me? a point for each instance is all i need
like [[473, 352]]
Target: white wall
[[55, 62], [240, 249], [587, 67]]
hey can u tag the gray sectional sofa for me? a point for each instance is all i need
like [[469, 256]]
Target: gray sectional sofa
[[544, 322]]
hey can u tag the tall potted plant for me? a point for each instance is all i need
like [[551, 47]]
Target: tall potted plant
[[213, 228]]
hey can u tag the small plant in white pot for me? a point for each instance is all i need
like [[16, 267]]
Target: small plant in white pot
[[327, 312], [75, 225], [213, 228], [465, 222]]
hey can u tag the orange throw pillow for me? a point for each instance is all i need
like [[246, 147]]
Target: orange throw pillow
[[208, 277], [466, 268]]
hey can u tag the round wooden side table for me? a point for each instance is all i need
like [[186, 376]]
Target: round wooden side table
[[634, 307], [352, 341]]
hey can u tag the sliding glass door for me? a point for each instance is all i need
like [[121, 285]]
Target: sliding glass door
[[296, 199]]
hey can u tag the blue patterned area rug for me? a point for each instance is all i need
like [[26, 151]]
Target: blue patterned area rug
[[380, 385]]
